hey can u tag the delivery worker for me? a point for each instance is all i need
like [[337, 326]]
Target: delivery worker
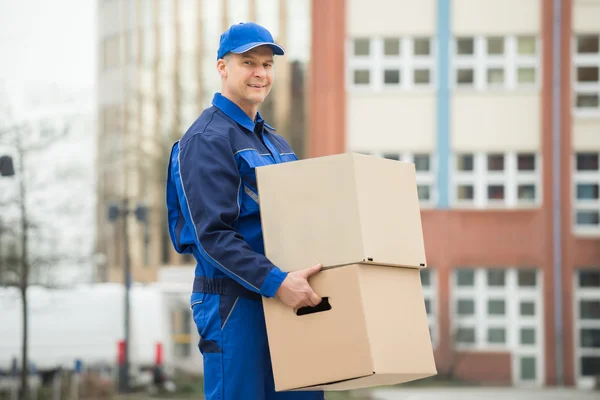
[[213, 207]]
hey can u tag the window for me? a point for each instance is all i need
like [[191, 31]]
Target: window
[[587, 325], [391, 63], [429, 284], [496, 62], [499, 309], [586, 193], [586, 74], [425, 172], [508, 180]]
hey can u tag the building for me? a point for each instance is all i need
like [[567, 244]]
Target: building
[[156, 73], [497, 102]]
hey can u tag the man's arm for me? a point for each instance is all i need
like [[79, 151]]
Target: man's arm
[[208, 184]]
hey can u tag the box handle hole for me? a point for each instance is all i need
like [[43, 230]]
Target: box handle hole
[[324, 305]]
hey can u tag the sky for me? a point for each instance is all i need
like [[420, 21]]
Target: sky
[[45, 43], [48, 67]]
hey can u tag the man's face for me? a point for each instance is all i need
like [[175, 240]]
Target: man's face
[[247, 77]]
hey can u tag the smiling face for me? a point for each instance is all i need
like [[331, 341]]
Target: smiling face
[[247, 77]]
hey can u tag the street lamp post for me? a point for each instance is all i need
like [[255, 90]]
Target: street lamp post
[[115, 211]]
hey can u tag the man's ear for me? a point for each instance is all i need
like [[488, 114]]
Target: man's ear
[[222, 68]]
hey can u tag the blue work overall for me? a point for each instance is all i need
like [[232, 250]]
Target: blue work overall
[[213, 208]]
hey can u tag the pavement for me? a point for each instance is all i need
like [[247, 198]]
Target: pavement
[[483, 394]]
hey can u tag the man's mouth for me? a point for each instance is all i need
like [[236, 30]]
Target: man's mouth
[[257, 86]]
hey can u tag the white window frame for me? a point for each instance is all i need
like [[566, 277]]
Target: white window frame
[[584, 205], [584, 60], [423, 177], [512, 321], [480, 62], [511, 177], [376, 62], [583, 294], [430, 293]]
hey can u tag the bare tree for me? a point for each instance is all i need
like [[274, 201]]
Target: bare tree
[[28, 247]]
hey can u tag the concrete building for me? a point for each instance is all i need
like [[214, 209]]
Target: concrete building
[[497, 102]]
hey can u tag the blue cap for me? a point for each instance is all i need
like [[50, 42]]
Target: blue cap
[[245, 36]]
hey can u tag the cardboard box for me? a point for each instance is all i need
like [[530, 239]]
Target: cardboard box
[[339, 210], [375, 332]]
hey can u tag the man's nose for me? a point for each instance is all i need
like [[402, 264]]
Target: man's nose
[[260, 72]]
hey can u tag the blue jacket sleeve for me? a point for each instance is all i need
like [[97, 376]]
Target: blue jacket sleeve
[[210, 184]]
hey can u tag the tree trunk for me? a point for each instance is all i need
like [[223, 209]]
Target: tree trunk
[[24, 269]]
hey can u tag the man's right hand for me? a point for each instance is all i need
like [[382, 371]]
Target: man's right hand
[[295, 291]]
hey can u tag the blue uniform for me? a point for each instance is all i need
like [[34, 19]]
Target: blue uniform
[[213, 208]]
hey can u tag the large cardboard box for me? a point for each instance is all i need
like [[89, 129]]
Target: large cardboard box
[[374, 333], [341, 209]]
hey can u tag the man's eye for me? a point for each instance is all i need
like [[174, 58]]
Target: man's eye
[[247, 62], [268, 65]]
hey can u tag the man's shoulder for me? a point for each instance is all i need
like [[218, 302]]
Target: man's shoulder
[[210, 123]]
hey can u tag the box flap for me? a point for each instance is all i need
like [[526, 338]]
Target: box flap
[[390, 217], [329, 229], [396, 320], [372, 380]]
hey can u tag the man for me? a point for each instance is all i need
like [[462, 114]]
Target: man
[[213, 207]]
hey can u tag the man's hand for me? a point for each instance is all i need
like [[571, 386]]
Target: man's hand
[[295, 291]]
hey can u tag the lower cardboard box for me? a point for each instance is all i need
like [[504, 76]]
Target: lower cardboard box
[[371, 329]]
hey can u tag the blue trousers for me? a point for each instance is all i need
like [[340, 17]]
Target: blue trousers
[[237, 364]]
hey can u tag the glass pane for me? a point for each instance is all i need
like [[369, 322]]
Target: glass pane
[[526, 162], [421, 162], [425, 277], [588, 44], [391, 47], [495, 162], [465, 277], [424, 192], [495, 46], [526, 45], [587, 191], [527, 336], [589, 279], [496, 307], [587, 161], [421, 47], [589, 309], [526, 75], [590, 366], [496, 335], [590, 337], [362, 76], [588, 218], [495, 76], [465, 76], [495, 192], [465, 192], [464, 46], [526, 192], [362, 47], [587, 100], [527, 368], [464, 162], [421, 76], [391, 76], [527, 278], [465, 307], [527, 308], [465, 335], [428, 306], [587, 74], [496, 277]]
